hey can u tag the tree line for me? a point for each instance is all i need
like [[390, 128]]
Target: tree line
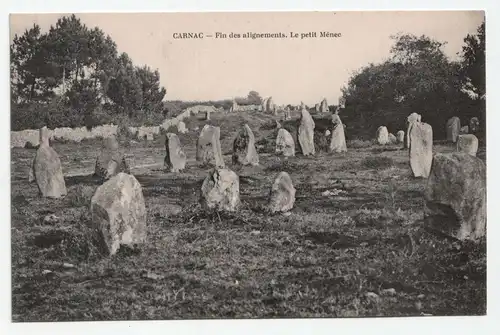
[[71, 76], [418, 77]]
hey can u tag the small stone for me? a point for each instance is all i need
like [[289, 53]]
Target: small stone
[[46, 272], [388, 291]]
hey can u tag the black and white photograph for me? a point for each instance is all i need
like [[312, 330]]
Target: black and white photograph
[[247, 165]]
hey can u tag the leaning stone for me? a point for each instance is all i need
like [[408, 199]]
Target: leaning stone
[[119, 213], [282, 196], [221, 190], [175, 158], [392, 138], [455, 196]]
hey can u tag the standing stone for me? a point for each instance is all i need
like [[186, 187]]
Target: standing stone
[[413, 117], [420, 149], [453, 129], [324, 106], [282, 196], [271, 108], [207, 116], [285, 144], [392, 138], [474, 125], [382, 135], [47, 169], [208, 149], [317, 108], [468, 143], [111, 160], [244, 151], [455, 196], [464, 130], [119, 213], [327, 133], [221, 190], [337, 141], [175, 158], [181, 127], [400, 136], [264, 105], [288, 115], [306, 133]]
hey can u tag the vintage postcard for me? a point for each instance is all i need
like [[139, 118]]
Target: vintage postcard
[[246, 165]]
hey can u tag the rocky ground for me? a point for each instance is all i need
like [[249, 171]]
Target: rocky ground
[[354, 245]]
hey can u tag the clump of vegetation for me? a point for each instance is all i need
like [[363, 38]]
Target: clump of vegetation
[[377, 162], [359, 144]]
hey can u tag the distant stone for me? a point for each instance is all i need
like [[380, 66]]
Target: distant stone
[[468, 143], [317, 108], [324, 106], [327, 133], [455, 196], [453, 129], [382, 135], [244, 152], [282, 196], [221, 190], [420, 149], [175, 158], [207, 115], [285, 144], [119, 213], [264, 105], [464, 130], [306, 133], [337, 140], [392, 138], [271, 108], [474, 125], [111, 160], [47, 169], [287, 113], [400, 136], [150, 137], [208, 149], [278, 124], [181, 127]]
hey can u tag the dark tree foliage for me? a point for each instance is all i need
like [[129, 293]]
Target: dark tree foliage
[[418, 77]]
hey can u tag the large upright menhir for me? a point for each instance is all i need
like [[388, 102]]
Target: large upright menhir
[[47, 169]]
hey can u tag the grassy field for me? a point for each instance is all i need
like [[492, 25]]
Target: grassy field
[[359, 251]]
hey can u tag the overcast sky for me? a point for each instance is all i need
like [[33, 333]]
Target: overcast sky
[[289, 70]]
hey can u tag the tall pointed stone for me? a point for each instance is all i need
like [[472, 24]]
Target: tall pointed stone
[[324, 106], [306, 133], [47, 169], [420, 149]]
